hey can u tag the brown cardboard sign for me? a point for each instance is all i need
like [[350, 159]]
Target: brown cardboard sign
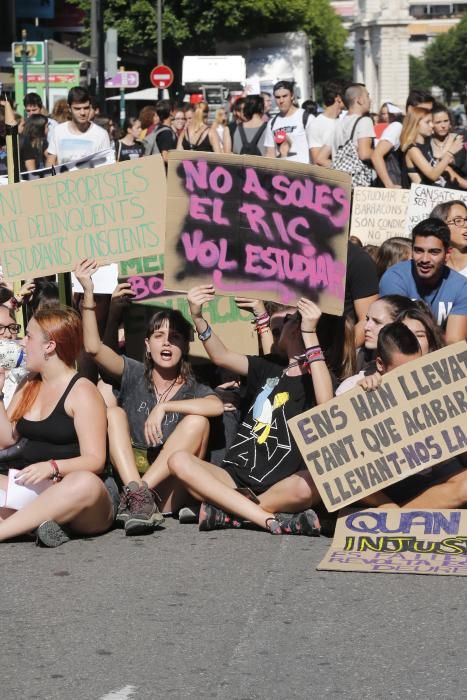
[[257, 227], [378, 214], [361, 442], [400, 542], [229, 322], [110, 213]]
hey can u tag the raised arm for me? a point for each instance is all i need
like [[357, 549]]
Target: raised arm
[[218, 353], [261, 321], [322, 382], [107, 358]]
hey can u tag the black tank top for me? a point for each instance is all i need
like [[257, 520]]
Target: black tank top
[[52, 438], [202, 143]]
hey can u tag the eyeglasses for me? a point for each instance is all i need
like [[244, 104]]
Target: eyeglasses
[[12, 327], [458, 221]]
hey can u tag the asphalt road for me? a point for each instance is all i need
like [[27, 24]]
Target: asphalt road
[[226, 615]]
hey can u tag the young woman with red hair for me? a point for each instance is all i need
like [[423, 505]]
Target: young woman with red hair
[[63, 417]]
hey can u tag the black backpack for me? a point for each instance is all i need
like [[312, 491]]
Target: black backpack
[[250, 148]]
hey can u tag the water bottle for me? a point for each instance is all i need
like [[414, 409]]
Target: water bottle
[[12, 354]]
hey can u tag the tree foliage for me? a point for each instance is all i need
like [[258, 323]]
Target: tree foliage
[[419, 75], [194, 27], [446, 60]]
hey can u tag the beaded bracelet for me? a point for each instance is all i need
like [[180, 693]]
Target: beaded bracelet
[[56, 476]]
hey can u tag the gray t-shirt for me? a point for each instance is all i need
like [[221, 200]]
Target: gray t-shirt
[[137, 401]]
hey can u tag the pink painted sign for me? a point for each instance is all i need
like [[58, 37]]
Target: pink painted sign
[[257, 227]]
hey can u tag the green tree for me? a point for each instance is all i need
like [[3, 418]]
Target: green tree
[[419, 75], [195, 27], [446, 60]]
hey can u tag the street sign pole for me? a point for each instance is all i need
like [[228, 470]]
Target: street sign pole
[[46, 75], [159, 39], [24, 57]]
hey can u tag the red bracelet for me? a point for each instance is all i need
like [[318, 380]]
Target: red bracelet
[[56, 476]]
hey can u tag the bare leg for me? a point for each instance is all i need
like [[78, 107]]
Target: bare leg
[[291, 495], [121, 451], [190, 435], [207, 482], [107, 394], [80, 500], [452, 493]]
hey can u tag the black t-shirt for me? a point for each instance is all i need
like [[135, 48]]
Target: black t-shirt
[[165, 138], [362, 278], [125, 152], [264, 451]]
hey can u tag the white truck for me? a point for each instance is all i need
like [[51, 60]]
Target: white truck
[[214, 77], [273, 57]]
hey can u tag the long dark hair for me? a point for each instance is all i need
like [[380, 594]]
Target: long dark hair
[[177, 322]]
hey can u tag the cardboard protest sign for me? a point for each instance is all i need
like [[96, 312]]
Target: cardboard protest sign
[[110, 213], [424, 198], [257, 227], [400, 542], [96, 160], [361, 442], [378, 214], [229, 322]]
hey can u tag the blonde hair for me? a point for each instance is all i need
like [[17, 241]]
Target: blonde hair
[[220, 117], [200, 113], [410, 126]]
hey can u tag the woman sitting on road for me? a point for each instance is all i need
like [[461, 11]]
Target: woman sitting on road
[[162, 408], [263, 462], [66, 445]]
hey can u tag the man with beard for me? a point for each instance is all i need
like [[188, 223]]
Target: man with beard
[[427, 277]]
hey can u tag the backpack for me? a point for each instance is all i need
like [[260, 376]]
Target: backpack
[[348, 161], [250, 148], [150, 144]]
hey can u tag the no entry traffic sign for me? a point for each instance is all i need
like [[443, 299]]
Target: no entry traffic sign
[[162, 76]]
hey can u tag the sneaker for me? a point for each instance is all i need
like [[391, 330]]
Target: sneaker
[[51, 534], [212, 518], [303, 523], [143, 515], [123, 512], [188, 515]]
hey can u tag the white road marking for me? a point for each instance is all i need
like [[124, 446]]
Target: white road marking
[[122, 694]]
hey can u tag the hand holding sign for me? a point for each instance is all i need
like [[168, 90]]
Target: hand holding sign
[[255, 306], [197, 296], [84, 271], [310, 314]]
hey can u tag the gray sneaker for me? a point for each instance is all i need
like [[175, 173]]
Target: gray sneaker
[[51, 534], [188, 515], [144, 515], [123, 512]]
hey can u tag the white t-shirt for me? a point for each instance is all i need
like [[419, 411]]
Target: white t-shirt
[[392, 133], [344, 128], [321, 131], [297, 136], [69, 145]]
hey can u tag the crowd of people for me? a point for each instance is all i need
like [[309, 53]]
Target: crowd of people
[[119, 440], [386, 149]]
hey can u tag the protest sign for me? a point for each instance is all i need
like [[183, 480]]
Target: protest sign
[[361, 442], [400, 542], [424, 198], [257, 227], [110, 213], [96, 160], [229, 322], [378, 214]]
